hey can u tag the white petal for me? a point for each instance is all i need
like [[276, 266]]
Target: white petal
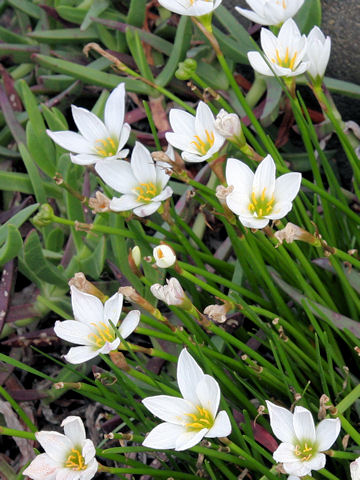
[[268, 43], [204, 120], [287, 187], [182, 123], [130, 322], [115, 110], [240, 176], [90, 126], [117, 174], [189, 374], [304, 468], [74, 429], [194, 158], [221, 427], [67, 474], [258, 63], [264, 177], [208, 392], [327, 432], [182, 142], [146, 210], [162, 177], [189, 439], [124, 137], [280, 210], [73, 331], [281, 421], [78, 355], [252, 16], [128, 201], [166, 193], [42, 468], [55, 444], [71, 141], [163, 436], [109, 346], [169, 409], [303, 423], [88, 451], [253, 222], [142, 164], [87, 308], [91, 470], [112, 308], [239, 202], [285, 453], [85, 159]]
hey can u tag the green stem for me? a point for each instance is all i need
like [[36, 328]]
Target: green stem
[[17, 433]]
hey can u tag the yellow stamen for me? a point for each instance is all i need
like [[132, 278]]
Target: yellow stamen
[[287, 61], [261, 205], [106, 147], [104, 334], [75, 461], [147, 191], [201, 420], [203, 146], [160, 253]]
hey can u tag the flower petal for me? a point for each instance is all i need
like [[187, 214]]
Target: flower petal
[[204, 120], [327, 432], [114, 110], [109, 346], [71, 141], [89, 125], [253, 222], [130, 322], [124, 137], [142, 164], [239, 203], [78, 355], [165, 194], [146, 210], [287, 187], [170, 409], [128, 201], [55, 444], [281, 421], [73, 331], [84, 159], [285, 453], [88, 450], [117, 174], [112, 308], [221, 427], [74, 429], [194, 157], [42, 468], [258, 63], [163, 436], [264, 177], [189, 439], [240, 176], [303, 423], [67, 474], [181, 141], [280, 210], [189, 374], [182, 123], [304, 468], [208, 392], [90, 471], [87, 308]]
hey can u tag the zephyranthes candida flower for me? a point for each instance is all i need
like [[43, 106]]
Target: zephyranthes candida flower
[[189, 419], [196, 136], [142, 183], [270, 12], [171, 293], [194, 8], [97, 140], [67, 457], [258, 198], [91, 328], [164, 256], [285, 53], [318, 54], [302, 444]]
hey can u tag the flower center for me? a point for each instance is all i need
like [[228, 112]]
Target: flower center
[[106, 147], [75, 460], [199, 420], [262, 205], [203, 146], [305, 451], [146, 192], [104, 334], [287, 61]]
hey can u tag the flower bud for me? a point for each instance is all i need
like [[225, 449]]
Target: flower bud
[[164, 256], [228, 124], [293, 232], [355, 469], [81, 283], [100, 203], [171, 294], [44, 216], [186, 69], [218, 312], [136, 255]]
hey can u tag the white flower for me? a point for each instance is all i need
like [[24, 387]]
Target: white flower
[[164, 256], [355, 469], [97, 140], [194, 8], [188, 419], [317, 53], [142, 183], [302, 443], [67, 457], [258, 198], [284, 53], [172, 293], [270, 12], [91, 328], [228, 124], [196, 136]]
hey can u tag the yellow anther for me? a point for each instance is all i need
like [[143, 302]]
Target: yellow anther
[[203, 146], [261, 205], [75, 461], [146, 192], [160, 253], [202, 419], [262, 198], [106, 147], [293, 60], [287, 61], [253, 198], [104, 334]]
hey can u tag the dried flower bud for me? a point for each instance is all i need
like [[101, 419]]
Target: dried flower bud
[[81, 283], [171, 294], [222, 192], [164, 256], [218, 312], [355, 469], [44, 216], [293, 232], [99, 203]]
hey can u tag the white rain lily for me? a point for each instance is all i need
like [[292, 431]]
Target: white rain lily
[[285, 53], [189, 419], [355, 469], [164, 256], [196, 136], [258, 198], [142, 183], [317, 53], [194, 8], [228, 124], [270, 12], [171, 294], [302, 444], [97, 140], [67, 457], [91, 328]]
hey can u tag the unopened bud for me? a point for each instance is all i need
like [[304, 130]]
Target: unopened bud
[[186, 69], [171, 294], [134, 259], [164, 256], [44, 216], [293, 232], [228, 124], [81, 283], [99, 203]]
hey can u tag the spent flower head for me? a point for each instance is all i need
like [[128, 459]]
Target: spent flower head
[[317, 54], [270, 12], [196, 136], [193, 8], [189, 419], [67, 457], [171, 293], [258, 198], [97, 140], [142, 183], [91, 328], [285, 53], [302, 444]]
